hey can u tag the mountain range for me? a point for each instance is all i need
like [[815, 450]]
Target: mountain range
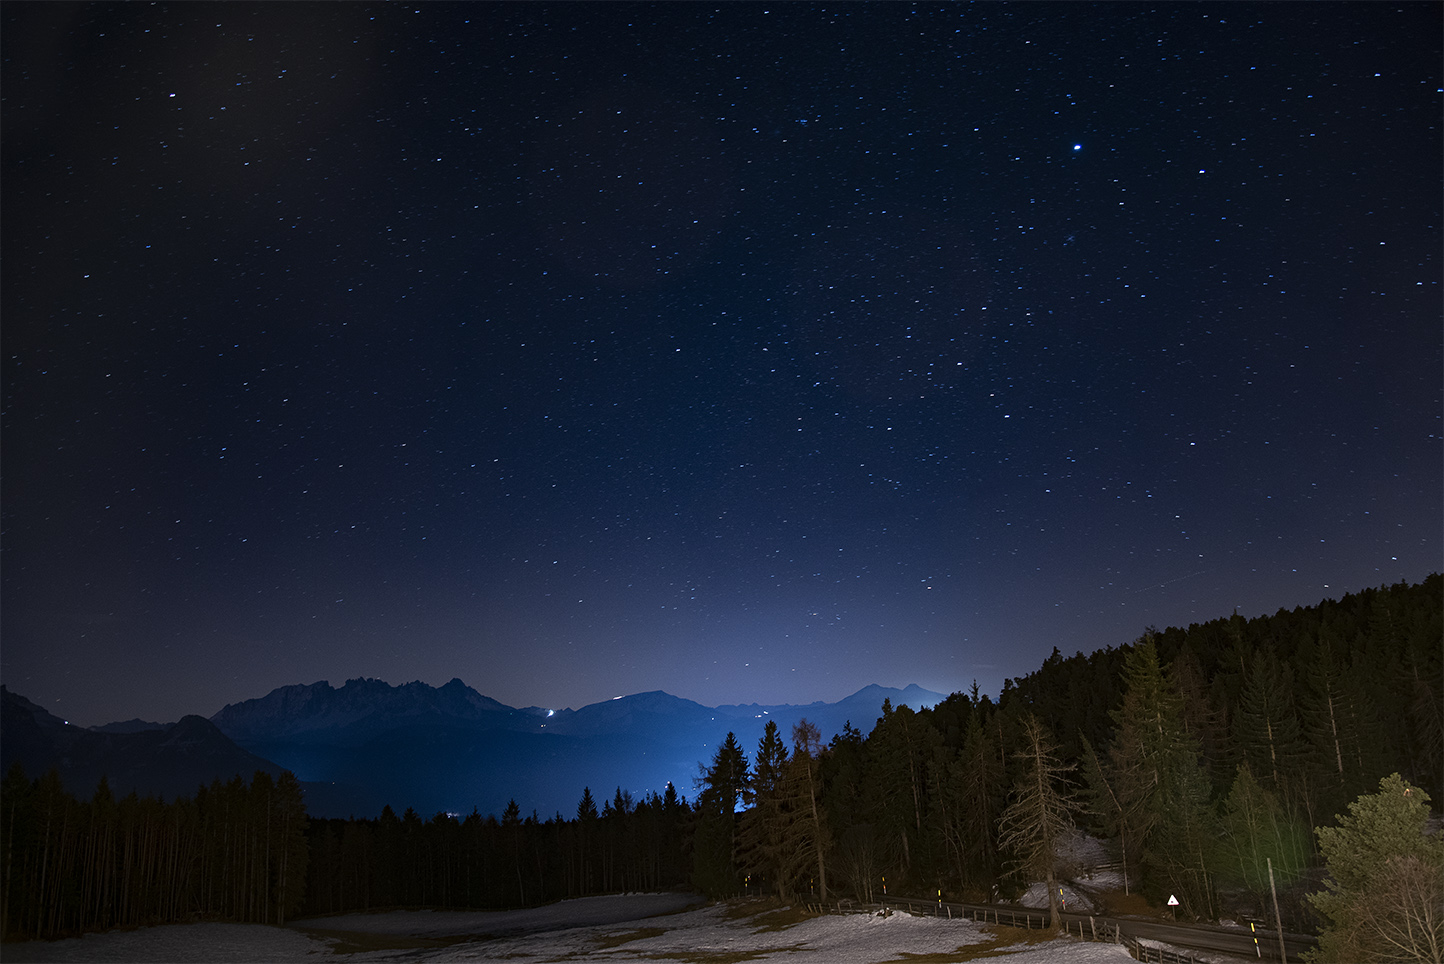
[[168, 761], [368, 744]]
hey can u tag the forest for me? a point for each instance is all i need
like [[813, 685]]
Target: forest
[[1202, 754]]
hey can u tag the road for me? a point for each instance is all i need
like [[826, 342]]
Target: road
[[1226, 940]]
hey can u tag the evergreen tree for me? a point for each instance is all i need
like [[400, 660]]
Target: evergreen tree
[[725, 785], [946, 815], [1199, 718], [1256, 833], [982, 794], [1157, 774], [586, 836], [766, 827], [895, 783], [1338, 723], [859, 862], [511, 824], [293, 853], [1384, 900], [1266, 731]]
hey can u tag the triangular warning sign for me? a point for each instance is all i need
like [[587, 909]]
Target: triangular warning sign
[[1172, 901]]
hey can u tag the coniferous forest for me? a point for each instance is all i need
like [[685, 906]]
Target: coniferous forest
[[1203, 755]]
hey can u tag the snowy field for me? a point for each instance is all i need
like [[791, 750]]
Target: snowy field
[[639, 927]]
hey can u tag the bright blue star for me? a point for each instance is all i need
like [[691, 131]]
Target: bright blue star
[[1077, 147]]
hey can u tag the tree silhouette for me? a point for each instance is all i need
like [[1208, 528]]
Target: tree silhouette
[[1041, 811]]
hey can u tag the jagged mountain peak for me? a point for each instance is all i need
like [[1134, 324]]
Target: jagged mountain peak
[[361, 706]]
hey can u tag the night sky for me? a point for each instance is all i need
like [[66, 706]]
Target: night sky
[[753, 352]]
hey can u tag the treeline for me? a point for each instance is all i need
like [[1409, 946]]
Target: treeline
[[1207, 753], [479, 861], [236, 851]]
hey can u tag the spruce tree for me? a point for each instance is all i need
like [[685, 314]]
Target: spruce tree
[[765, 828], [1266, 731], [725, 785], [897, 753], [1156, 771], [982, 793], [1338, 724], [1255, 832]]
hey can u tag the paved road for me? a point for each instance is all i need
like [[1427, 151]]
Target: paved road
[[1193, 936], [1229, 940]]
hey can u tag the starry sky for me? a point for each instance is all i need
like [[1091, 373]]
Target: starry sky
[[753, 353]]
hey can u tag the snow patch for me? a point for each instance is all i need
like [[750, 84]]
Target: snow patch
[[1074, 901], [567, 931]]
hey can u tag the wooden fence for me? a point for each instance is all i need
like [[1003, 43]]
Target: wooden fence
[[1088, 931]]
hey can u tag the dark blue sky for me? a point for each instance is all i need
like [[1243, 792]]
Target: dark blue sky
[[750, 353]]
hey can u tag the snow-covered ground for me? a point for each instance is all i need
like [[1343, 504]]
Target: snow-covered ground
[[1074, 901], [582, 912], [624, 928], [175, 943]]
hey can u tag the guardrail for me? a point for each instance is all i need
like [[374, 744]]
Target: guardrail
[[1155, 955], [1087, 927], [981, 913], [1088, 931]]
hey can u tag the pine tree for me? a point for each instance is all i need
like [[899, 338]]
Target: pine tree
[[1384, 900]]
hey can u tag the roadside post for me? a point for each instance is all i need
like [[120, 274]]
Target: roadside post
[[1278, 918]]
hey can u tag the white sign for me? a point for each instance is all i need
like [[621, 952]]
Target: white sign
[[1172, 901]]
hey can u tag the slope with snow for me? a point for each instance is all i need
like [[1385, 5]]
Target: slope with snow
[[637, 927]]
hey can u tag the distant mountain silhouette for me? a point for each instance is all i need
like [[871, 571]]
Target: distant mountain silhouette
[[129, 726], [320, 714], [168, 761], [368, 744]]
